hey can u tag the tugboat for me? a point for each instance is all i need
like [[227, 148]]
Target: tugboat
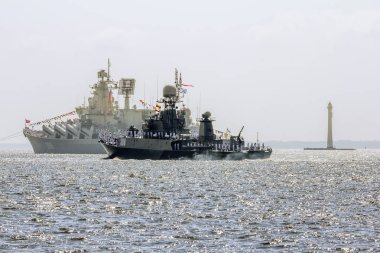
[[166, 136]]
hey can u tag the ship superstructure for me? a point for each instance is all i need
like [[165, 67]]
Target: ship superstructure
[[80, 135]]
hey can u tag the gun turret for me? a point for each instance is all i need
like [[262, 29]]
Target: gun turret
[[238, 137]]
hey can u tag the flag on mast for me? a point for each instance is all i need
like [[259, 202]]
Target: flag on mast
[[187, 85]]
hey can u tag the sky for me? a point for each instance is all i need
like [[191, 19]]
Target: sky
[[271, 65]]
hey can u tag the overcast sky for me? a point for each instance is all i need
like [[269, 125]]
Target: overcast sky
[[272, 66]]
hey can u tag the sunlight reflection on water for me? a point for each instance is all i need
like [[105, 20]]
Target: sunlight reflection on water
[[294, 201]]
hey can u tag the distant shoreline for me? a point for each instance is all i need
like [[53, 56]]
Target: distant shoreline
[[343, 144]]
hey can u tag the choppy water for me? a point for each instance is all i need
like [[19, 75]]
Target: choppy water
[[295, 201]]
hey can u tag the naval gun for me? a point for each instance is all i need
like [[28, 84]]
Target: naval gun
[[238, 136]]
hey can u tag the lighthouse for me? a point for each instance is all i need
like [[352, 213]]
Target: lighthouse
[[330, 145], [329, 127]]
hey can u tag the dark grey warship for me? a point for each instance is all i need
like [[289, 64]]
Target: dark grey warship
[[166, 136], [80, 135]]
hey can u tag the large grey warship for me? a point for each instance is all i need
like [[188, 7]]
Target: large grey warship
[[166, 136], [80, 135]]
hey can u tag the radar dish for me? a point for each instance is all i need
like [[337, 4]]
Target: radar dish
[[206, 115], [169, 91]]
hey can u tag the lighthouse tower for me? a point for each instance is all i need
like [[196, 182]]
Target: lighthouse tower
[[330, 145], [329, 127]]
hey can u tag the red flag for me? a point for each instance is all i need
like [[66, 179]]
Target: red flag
[[187, 85], [27, 121]]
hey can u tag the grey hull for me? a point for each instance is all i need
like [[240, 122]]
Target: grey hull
[[162, 154], [65, 146]]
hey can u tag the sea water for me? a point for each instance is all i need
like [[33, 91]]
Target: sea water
[[295, 201]]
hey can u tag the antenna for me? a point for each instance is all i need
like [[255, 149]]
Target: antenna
[[200, 102], [144, 97], [157, 87], [176, 76], [108, 74], [257, 137]]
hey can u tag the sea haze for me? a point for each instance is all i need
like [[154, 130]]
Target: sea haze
[[294, 201]]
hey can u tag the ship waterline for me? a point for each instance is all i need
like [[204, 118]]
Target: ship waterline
[[156, 154]]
